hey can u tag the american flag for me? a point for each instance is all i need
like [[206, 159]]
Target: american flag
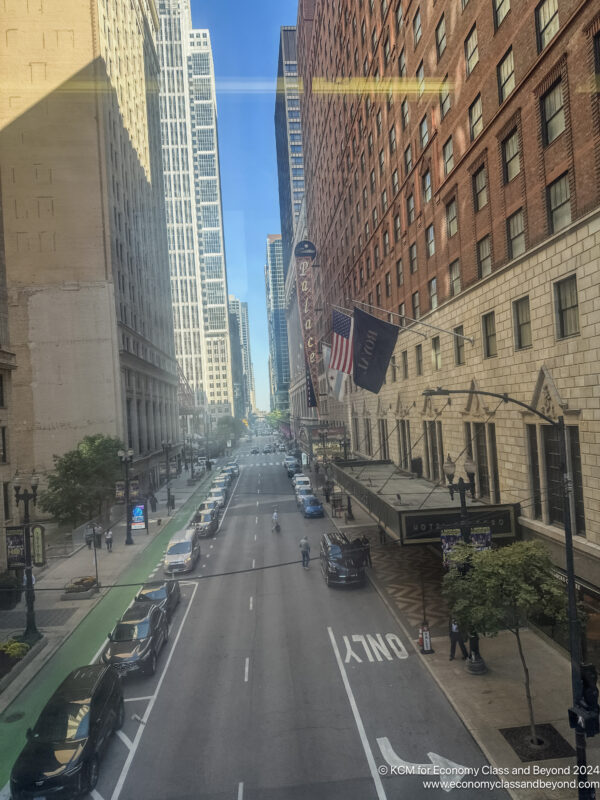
[[341, 346]]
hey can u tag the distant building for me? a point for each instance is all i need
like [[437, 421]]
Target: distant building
[[240, 310], [279, 362], [288, 139]]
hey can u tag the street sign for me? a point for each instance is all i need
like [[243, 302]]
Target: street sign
[[305, 249], [134, 489], [38, 545], [15, 547]]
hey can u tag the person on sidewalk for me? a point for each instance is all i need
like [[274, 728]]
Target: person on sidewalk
[[108, 538], [456, 637], [366, 544], [89, 536], [382, 535], [98, 537], [153, 502], [305, 550]]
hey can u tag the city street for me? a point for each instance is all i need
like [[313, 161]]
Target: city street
[[273, 685]]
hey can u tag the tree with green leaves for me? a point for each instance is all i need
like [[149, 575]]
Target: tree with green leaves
[[83, 482], [493, 590]]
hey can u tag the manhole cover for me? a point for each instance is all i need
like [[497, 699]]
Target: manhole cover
[[15, 716]]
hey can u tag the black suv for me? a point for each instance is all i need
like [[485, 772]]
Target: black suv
[[165, 594], [342, 561], [63, 750], [137, 639]]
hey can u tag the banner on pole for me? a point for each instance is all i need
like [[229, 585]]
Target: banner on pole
[[374, 343]]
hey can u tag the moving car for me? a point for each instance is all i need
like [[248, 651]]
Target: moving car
[[267, 449], [136, 641], [164, 594], [341, 560], [311, 506], [183, 551], [255, 451], [301, 493], [207, 524], [63, 751]]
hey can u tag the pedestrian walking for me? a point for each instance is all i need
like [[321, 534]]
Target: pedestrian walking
[[366, 544], [382, 536], [327, 491], [153, 502], [456, 637], [89, 536], [305, 550], [98, 537], [108, 539]]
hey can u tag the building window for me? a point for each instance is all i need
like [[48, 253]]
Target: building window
[[376, 258], [426, 186], [506, 76], [372, 181], [399, 16], [471, 50], [408, 159], [553, 113], [420, 79], [378, 294], [433, 298], [516, 234], [419, 359], [417, 27], [386, 240], [451, 218], [402, 314], [430, 240], [448, 151], [395, 182], [511, 157], [402, 64], [488, 327], [2, 398], [368, 437], [424, 132], [546, 22], [445, 102], [405, 364], [476, 118], [404, 445], [399, 273], [368, 268], [412, 255], [397, 228], [370, 144], [386, 51], [364, 197], [392, 139], [567, 307], [522, 323], [455, 284], [410, 208], [416, 305], [436, 354], [3, 445], [480, 196], [559, 203], [440, 36], [375, 217], [381, 161], [484, 256], [388, 284], [433, 450], [405, 114], [378, 122], [393, 369], [459, 346], [501, 9], [6, 500]]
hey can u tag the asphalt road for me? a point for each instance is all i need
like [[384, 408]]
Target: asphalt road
[[275, 687]]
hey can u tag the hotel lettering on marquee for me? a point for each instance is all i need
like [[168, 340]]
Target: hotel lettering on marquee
[[305, 253]]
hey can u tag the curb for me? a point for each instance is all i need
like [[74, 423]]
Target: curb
[[29, 656]]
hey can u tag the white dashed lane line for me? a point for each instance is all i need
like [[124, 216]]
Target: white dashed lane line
[[246, 670], [125, 739], [251, 603]]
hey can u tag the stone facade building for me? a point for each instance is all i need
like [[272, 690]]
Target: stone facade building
[[452, 167]]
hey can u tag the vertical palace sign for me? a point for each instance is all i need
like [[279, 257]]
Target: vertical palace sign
[[305, 253]]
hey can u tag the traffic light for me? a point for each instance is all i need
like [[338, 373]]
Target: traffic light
[[586, 713]]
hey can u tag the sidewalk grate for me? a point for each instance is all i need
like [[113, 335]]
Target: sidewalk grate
[[45, 618]]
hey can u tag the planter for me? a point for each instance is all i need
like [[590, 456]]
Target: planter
[[80, 588]]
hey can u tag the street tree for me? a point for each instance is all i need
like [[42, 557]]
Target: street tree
[[493, 590], [83, 482]]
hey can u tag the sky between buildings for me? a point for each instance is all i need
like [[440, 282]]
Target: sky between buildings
[[245, 42]]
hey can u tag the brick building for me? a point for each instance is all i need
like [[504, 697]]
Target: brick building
[[452, 168]]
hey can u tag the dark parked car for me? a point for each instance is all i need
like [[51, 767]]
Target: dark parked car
[[302, 492], [207, 505], [62, 755], [255, 451], [234, 467], [267, 449], [137, 639], [165, 594], [207, 524], [341, 560], [312, 506]]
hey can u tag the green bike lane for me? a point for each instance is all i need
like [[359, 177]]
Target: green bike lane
[[83, 643]]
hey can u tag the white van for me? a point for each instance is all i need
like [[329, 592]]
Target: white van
[[183, 551], [301, 480]]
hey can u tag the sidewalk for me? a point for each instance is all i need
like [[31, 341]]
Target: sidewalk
[[486, 703], [57, 618]]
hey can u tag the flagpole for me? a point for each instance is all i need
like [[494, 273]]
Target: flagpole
[[417, 322]]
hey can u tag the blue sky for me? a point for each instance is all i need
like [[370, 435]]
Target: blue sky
[[245, 42]]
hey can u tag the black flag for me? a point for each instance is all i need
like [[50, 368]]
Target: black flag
[[374, 342], [311, 398]]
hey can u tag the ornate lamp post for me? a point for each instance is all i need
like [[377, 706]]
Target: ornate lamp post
[[31, 632], [126, 459]]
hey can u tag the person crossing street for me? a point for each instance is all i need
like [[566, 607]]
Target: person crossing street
[[305, 550]]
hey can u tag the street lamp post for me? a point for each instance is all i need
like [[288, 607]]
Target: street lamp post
[[31, 632], [476, 664], [126, 459]]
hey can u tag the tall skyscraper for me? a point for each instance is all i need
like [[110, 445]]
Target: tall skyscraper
[[90, 317], [194, 215], [288, 139], [279, 362], [240, 311]]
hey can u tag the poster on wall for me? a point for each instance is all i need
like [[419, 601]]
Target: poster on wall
[[481, 537], [138, 517], [15, 547]]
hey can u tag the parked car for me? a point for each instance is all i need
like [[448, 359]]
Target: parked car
[[221, 485], [255, 451], [300, 480], [183, 551], [207, 505], [208, 524], [267, 449], [311, 506], [136, 641], [301, 493], [341, 560], [164, 594], [295, 469], [219, 496], [233, 467], [64, 747]]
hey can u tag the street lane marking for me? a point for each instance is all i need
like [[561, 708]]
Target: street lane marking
[[240, 791], [439, 764], [96, 795], [257, 503], [246, 668], [251, 603], [377, 645], [136, 699], [254, 537], [211, 547], [125, 739], [256, 521], [253, 563], [358, 720], [127, 766]]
